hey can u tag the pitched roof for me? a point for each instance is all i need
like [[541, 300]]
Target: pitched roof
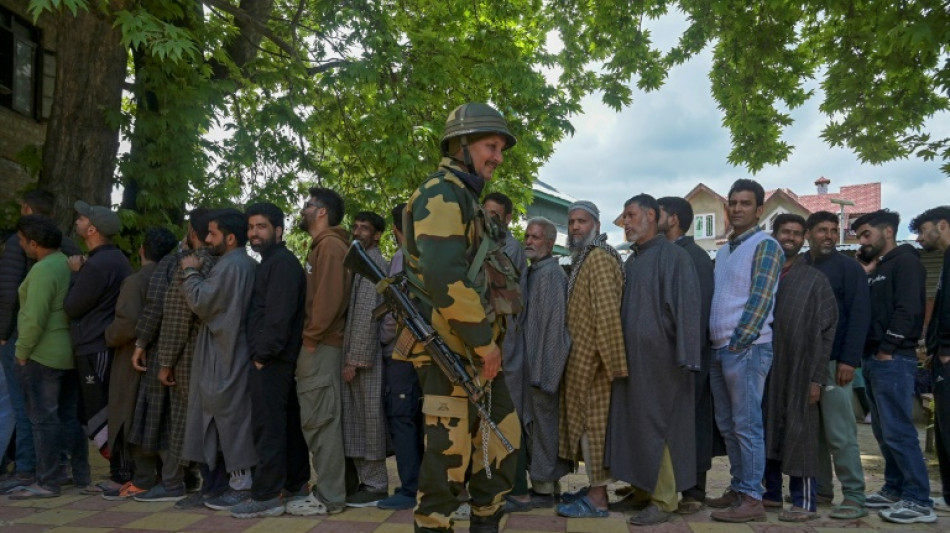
[[866, 198], [702, 187], [792, 197]]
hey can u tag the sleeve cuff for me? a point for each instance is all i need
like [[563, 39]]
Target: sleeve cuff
[[482, 351]]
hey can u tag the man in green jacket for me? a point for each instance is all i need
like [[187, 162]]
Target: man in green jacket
[[44, 354]]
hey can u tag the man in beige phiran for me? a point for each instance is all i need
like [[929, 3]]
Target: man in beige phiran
[[597, 357]]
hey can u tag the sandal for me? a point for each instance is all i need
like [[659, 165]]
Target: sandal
[[32, 492], [848, 510], [582, 508], [100, 487], [571, 497], [797, 514], [689, 506]]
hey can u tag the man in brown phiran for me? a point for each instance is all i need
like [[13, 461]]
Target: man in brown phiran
[[597, 356]]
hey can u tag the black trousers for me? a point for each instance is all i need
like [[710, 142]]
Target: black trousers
[[941, 385], [94, 370], [403, 401], [283, 461]]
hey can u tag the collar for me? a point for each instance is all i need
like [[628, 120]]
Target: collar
[[812, 260], [737, 241], [272, 250], [473, 181], [540, 262], [102, 247], [640, 248]]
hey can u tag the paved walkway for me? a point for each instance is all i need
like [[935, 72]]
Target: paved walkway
[[77, 513]]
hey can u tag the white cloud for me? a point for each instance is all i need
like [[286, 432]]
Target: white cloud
[[669, 140]]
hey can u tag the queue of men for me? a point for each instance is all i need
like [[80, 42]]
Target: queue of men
[[212, 379]]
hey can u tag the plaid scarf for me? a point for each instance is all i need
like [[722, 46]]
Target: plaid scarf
[[599, 241]]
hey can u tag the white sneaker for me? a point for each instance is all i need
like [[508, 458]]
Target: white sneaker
[[907, 512], [464, 512], [940, 506], [310, 506]]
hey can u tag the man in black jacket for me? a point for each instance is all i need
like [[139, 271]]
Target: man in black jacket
[[933, 233], [14, 265], [897, 284], [838, 434], [90, 305], [275, 326], [676, 219]]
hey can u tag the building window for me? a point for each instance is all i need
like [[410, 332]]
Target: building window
[[19, 64], [704, 226]]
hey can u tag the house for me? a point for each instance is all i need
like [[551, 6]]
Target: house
[[27, 75], [552, 204], [711, 225]]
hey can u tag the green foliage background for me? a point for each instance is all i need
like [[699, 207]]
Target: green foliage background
[[352, 95]]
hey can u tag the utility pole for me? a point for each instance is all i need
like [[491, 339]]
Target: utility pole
[[842, 218]]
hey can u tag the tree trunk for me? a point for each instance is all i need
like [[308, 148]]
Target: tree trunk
[[82, 137]]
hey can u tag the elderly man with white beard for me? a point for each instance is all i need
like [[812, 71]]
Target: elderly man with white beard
[[541, 346], [597, 357]]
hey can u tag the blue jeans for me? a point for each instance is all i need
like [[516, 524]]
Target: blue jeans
[[890, 388], [25, 452], [7, 419], [52, 396], [738, 382]]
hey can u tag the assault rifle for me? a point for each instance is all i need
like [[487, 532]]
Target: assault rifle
[[394, 293]]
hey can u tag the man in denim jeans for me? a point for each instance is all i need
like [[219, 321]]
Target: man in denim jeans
[[897, 283], [14, 266], [740, 330], [44, 356]]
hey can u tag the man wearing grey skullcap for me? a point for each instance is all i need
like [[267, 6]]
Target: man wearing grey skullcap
[[586, 206], [597, 357]]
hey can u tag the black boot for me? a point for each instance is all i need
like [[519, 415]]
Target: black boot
[[485, 524]]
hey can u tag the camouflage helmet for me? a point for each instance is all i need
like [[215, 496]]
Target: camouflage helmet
[[475, 118]]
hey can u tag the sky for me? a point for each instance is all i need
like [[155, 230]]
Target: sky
[[669, 140]]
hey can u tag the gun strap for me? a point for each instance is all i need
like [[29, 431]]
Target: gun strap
[[479, 258], [415, 284]]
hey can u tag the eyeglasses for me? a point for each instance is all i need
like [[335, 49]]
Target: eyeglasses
[[308, 204]]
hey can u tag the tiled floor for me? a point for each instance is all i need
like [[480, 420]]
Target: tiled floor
[[77, 513]]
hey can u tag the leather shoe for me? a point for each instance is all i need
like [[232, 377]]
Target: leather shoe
[[748, 510], [728, 499]]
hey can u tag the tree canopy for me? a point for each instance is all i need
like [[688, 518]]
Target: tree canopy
[[257, 99]]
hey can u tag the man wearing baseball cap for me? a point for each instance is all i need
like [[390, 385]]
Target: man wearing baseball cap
[[90, 305]]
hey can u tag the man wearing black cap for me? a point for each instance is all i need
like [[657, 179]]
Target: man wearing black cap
[[90, 305]]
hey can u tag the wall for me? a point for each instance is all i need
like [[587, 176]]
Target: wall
[[704, 203], [21, 131]]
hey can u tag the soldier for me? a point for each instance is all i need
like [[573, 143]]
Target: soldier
[[445, 229]]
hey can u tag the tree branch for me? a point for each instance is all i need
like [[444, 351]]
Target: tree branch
[[329, 65], [239, 13]]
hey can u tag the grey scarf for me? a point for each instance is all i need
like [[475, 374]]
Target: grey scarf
[[599, 241]]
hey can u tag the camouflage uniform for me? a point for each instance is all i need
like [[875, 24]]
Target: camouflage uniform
[[444, 226]]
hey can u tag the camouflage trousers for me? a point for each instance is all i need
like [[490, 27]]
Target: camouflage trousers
[[454, 452]]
